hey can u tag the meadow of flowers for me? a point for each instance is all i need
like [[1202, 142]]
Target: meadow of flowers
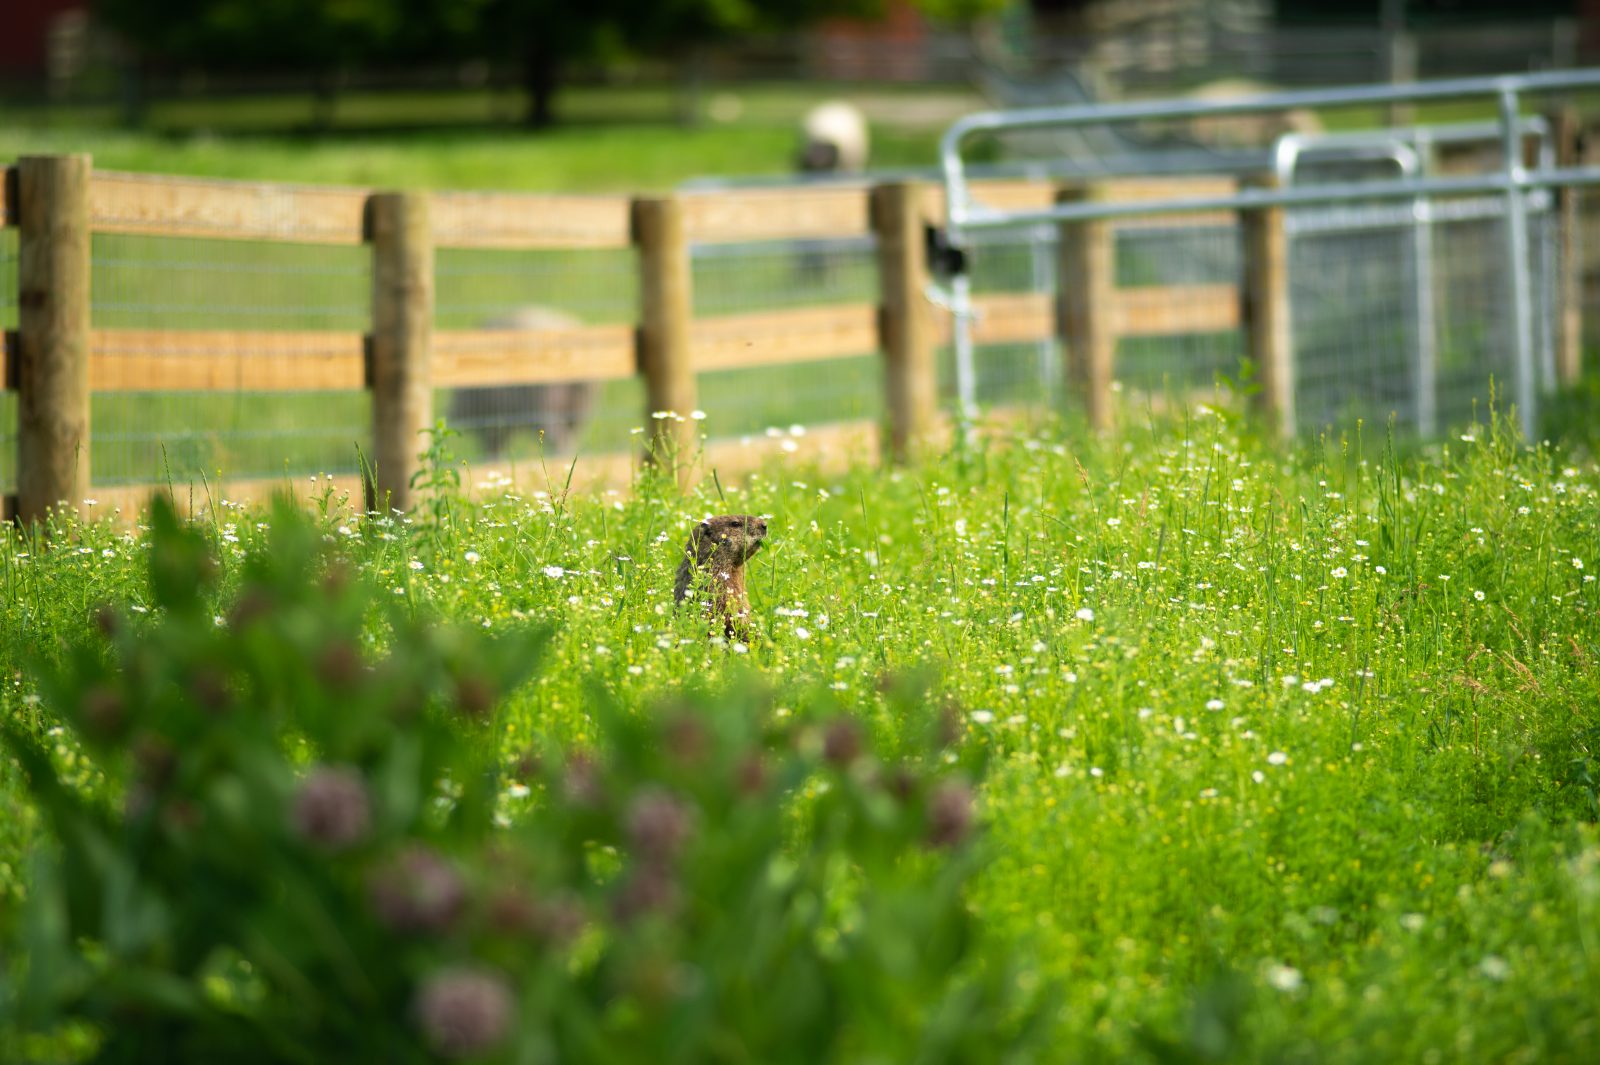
[[1290, 754]]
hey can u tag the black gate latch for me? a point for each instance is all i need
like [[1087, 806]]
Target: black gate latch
[[945, 260]]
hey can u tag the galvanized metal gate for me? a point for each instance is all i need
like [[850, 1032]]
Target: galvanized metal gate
[[1410, 289]]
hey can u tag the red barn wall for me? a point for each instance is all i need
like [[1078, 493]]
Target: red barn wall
[[24, 25]]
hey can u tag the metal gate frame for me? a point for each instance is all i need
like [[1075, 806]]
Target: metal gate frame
[[966, 216], [1409, 149]]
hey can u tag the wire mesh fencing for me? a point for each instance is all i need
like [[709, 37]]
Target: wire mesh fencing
[[1404, 312], [1176, 285], [537, 292], [204, 295], [1012, 373], [750, 278], [1190, 272], [1398, 311]]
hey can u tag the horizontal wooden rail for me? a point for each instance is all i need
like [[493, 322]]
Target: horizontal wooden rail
[[142, 360], [773, 337], [840, 211], [174, 360], [1142, 311], [1013, 318], [1146, 189], [503, 357], [1039, 195], [158, 205], [776, 214], [230, 210], [241, 210], [529, 222], [1010, 195], [1156, 310]]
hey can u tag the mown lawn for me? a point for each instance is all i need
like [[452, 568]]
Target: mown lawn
[[608, 139], [1294, 750]]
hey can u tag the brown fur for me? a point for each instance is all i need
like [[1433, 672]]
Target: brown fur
[[714, 557]]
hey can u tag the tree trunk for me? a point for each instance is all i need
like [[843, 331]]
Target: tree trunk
[[324, 99], [131, 91], [541, 76]]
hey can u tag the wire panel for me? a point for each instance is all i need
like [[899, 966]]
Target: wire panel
[[1177, 310], [749, 277], [1404, 312], [223, 288], [538, 291]]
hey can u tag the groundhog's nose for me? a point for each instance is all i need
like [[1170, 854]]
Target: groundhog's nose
[[761, 527]]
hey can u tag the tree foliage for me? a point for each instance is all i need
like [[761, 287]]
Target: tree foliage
[[315, 33], [289, 34]]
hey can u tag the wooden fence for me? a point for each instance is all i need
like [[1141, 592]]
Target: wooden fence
[[56, 359]]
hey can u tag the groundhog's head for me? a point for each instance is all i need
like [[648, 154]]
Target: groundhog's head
[[730, 537], [719, 547]]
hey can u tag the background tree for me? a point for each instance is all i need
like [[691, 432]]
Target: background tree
[[318, 37], [544, 39], [548, 37]]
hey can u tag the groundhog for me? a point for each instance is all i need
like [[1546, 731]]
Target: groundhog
[[714, 557]]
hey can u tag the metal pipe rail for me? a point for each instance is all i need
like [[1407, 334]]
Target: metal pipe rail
[[962, 214], [1303, 196], [1415, 140]]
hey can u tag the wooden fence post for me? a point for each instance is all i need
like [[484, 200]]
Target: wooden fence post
[[1566, 129], [666, 312], [1086, 306], [1266, 308], [401, 370], [899, 213], [53, 333]]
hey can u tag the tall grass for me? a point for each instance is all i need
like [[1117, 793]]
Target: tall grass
[[1293, 751]]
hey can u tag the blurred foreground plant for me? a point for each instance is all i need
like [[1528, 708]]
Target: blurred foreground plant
[[311, 849]]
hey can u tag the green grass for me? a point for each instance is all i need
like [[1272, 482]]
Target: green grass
[[612, 139], [1294, 750]]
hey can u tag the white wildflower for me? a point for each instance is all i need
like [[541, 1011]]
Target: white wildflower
[[1285, 978]]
